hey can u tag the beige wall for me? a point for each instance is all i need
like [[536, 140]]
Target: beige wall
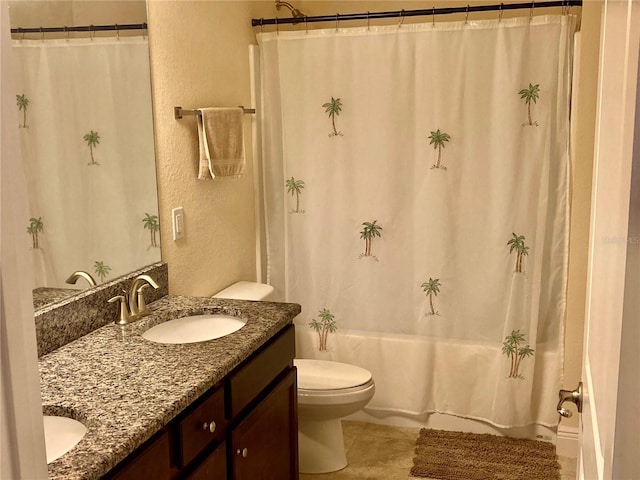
[[199, 58]]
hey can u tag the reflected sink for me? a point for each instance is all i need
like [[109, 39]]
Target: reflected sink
[[196, 328], [61, 434]]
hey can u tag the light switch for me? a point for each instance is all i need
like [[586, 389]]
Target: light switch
[[177, 214]]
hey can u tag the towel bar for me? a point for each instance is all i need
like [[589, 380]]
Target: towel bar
[[178, 112]]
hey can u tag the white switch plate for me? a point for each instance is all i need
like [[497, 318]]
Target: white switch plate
[[177, 214]]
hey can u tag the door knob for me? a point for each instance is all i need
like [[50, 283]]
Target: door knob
[[574, 396], [210, 426], [244, 452]]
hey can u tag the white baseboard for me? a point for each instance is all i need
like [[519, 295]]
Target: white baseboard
[[567, 441]]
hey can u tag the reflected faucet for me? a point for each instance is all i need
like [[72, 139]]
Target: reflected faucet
[[132, 304], [73, 278]]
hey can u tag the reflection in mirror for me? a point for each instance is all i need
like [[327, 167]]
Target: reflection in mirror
[[85, 118]]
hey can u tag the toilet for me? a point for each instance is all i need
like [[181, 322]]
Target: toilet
[[327, 391]]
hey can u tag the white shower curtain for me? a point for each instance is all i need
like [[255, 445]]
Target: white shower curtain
[[84, 108], [416, 207]]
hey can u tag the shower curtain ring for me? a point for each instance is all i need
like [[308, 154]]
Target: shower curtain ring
[[533, 5], [262, 25], [92, 32], [500, 14], [306, 25], [401, 15], [466, 16], [117, 32], [433, 16], [337, 21], [368, 20], [41, 35], [277, 27]]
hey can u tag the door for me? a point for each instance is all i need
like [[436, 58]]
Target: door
[[610, 422]]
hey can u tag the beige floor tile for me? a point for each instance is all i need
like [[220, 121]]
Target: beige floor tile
[[374, 452], [568, 468], [401, 433]]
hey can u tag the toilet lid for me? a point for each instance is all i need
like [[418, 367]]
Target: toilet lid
[[326, 375]]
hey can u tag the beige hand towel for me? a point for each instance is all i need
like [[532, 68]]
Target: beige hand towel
[[221, 142]]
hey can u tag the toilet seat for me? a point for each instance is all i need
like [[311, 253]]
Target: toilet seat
[[323, 375], [323, 382]]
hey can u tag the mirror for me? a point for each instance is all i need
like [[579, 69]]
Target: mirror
[[83, 101]]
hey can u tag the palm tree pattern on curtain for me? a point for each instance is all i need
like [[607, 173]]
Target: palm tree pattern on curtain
[[101, 269], [517, 244], [432, 289], [93, 139], [368, 233], [438, 139], [35, 226], [23, 103], [511, 347], [333, 109], [325, 325], [150, 222], [295, 187], [529, 95]]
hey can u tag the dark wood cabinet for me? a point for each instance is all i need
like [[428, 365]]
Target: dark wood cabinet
[[264, 445], [244, 428], [213, 467], [205, 424], [152, 460]]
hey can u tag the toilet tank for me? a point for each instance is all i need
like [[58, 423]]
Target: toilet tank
[[246, 291]]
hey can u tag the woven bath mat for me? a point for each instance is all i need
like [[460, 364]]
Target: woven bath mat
[[444, 455]]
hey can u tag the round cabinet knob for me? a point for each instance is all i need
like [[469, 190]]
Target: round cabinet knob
[[211, 426], [244, 452]]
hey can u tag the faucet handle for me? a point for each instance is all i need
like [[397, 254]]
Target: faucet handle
[[142, 306], [123, 317]]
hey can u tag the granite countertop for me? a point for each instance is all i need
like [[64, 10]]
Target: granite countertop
[[125, 388]]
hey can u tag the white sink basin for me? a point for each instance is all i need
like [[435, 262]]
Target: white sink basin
[[196, 328], [61, 434]]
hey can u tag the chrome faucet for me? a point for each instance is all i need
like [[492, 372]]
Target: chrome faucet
[[132, 304], [73, 278]]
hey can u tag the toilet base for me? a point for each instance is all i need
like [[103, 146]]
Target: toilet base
[[321, 446]]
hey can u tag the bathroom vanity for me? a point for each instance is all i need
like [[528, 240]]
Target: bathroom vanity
[[223, 409]]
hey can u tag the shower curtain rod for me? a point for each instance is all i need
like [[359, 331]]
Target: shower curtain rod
[[401, 14], [83, 28]]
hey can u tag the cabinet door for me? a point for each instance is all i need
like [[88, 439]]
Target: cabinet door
[[214, 467], [264, 446]]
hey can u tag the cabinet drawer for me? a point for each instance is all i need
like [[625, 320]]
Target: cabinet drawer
[[153, 461], [196, 428], [260, 371], [214, 467]]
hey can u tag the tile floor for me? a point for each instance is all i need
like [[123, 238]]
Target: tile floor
[[381, 452]]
